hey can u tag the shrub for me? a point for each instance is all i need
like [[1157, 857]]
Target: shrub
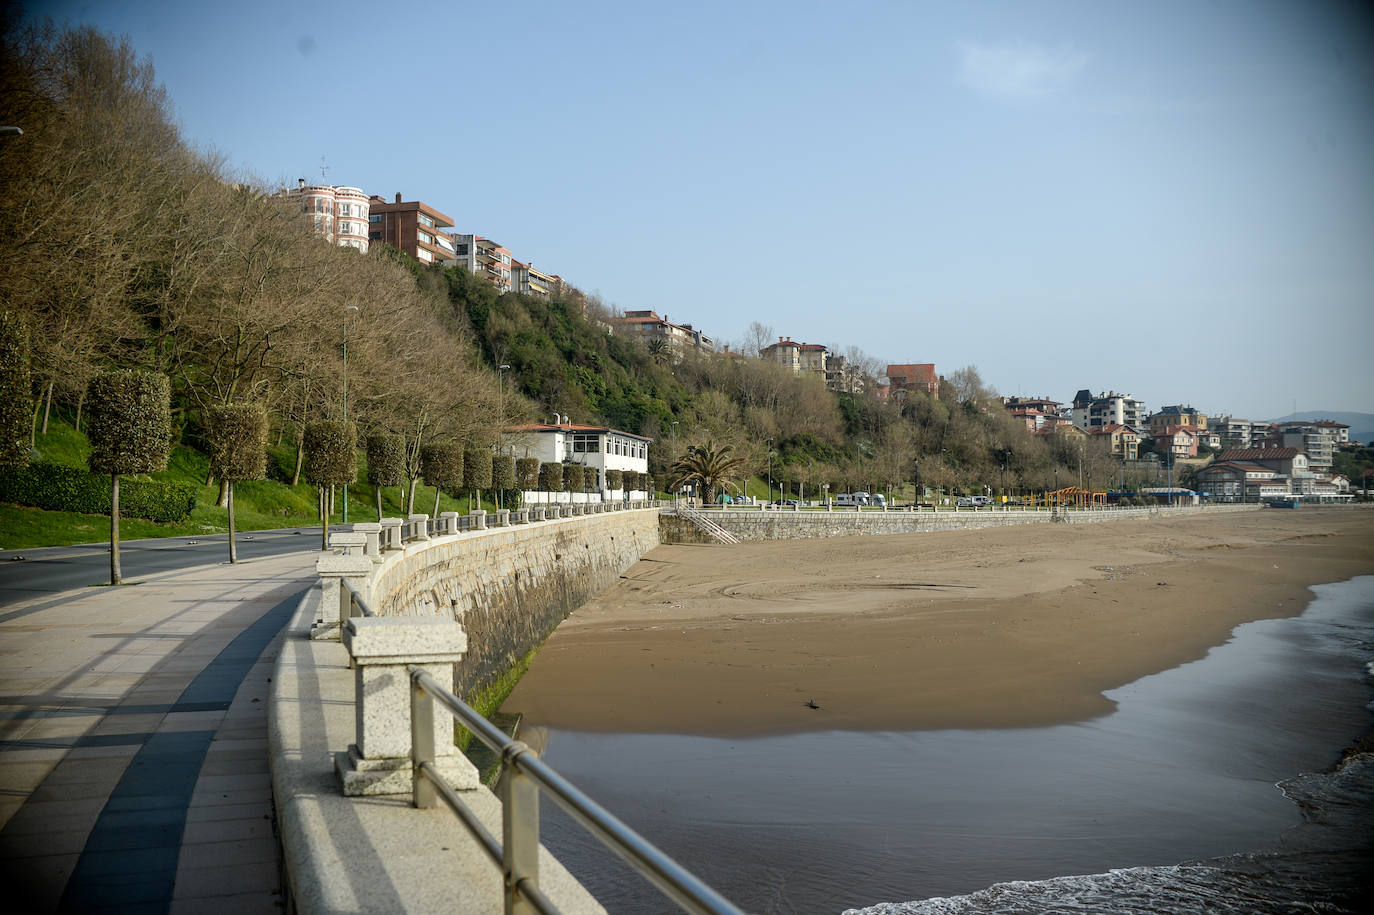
[[130, 425], [503, 471], [330, 453], [386, 459], [16, 401], [236, 435], [59, 488], [477, 468], [551, 477], [614, 479], [442, 465], [574, 477], [527, 473]]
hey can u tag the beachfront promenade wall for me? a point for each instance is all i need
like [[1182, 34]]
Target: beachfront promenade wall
[[787, 524], [508, 586]]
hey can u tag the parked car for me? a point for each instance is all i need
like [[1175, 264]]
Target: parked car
[[787, 502]]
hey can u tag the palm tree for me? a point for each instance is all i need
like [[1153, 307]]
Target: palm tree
[[706, 466], [658, 349]]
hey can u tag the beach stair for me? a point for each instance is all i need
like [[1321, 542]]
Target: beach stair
[[717, 532]]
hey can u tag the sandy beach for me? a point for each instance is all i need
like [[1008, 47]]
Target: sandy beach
[[1013, 627]]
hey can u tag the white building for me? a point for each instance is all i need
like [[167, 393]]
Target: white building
[[340, 213], [1109, 409], [597, 448]]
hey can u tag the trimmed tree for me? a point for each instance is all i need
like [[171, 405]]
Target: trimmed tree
[[527, 474], [237, 435], [615, 479], [386, 463], [130, 431], [551, 477], [16, 387], [331, 459], [502, 475], [574, 478], [477, 471], [441, 465]]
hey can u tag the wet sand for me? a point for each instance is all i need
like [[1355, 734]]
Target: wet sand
[[1014, 627]]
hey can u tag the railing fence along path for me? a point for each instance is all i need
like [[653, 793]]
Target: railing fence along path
[[720, 534], [523, 777], [396, 656]]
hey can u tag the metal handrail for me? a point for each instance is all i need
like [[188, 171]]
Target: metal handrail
[[356, 601], [524, 776]]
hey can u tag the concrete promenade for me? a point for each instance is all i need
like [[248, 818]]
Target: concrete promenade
[[133, 741]]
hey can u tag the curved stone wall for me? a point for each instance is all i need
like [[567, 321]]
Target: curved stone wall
[[510, 587]]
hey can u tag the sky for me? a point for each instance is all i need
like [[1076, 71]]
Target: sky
[[1173, 200]]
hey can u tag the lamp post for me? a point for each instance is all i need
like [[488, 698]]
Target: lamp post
[[345, 394], [770, 471], [500, 416]]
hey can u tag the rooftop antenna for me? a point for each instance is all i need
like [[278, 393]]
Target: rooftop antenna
[[324, 171]]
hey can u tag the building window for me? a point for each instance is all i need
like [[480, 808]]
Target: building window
[[586, 442], [374, 236], [375, 218], [345, 209], [426, 238], [462, 249], [426, 221]]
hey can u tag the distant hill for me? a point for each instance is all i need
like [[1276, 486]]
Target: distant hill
[[1361, 424]]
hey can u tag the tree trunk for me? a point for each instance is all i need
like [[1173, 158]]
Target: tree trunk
[[47, 408], [329, 502], [378, 489], [233, 551], [225, 494], [300, 458], [115, 577], [436, 503], [324, 504], [410, 498], [33, 427], [80, 402]]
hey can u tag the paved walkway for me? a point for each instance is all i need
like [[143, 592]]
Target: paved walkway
[[133, 747]]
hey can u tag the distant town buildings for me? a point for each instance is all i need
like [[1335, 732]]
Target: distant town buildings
[[912, 378], [647, 326], [340, 214], [413, 227], [1089, 412]]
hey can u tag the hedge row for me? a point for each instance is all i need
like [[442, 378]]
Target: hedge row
[[56, 487]]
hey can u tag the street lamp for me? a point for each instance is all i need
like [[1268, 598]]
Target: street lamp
[[345, 394], [770, 471]]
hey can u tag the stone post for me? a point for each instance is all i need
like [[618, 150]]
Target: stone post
[[382, 649], [334, 601], [479, 520], [391, 534], [372, 531], [345, 544], [503, 517], [420, 526], [449, 520]]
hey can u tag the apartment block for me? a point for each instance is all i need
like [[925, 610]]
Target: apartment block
[[646, 326], [528, 281], [1109, 409], [1234, 431], [413, 227], [340, 213], [1178, 415], [797, 357]]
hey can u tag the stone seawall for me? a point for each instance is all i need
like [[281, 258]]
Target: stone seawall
[[511, 587], [786, 525]]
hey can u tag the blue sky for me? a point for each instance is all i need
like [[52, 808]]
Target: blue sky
[[1170, 199]]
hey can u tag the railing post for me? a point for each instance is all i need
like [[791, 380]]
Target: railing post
[[421, 745], [391, 534], [449, 521], [382, 648], [335, 604], [503, 517], [348, 544], [479, 519], [372, 531], [520, 831], [420, 526]]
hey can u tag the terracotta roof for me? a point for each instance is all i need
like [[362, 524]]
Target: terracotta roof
[[572, 427], [1236, 465], [1258, 454], [1118, 427], [916, 371]]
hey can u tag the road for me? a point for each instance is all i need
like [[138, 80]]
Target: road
[[60, 568]]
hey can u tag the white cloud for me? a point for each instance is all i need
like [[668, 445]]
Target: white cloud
[[1018, 70]]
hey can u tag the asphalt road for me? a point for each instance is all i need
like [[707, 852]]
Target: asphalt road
[[60, 568]]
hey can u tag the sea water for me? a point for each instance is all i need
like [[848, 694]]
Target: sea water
[[1190, 796]]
